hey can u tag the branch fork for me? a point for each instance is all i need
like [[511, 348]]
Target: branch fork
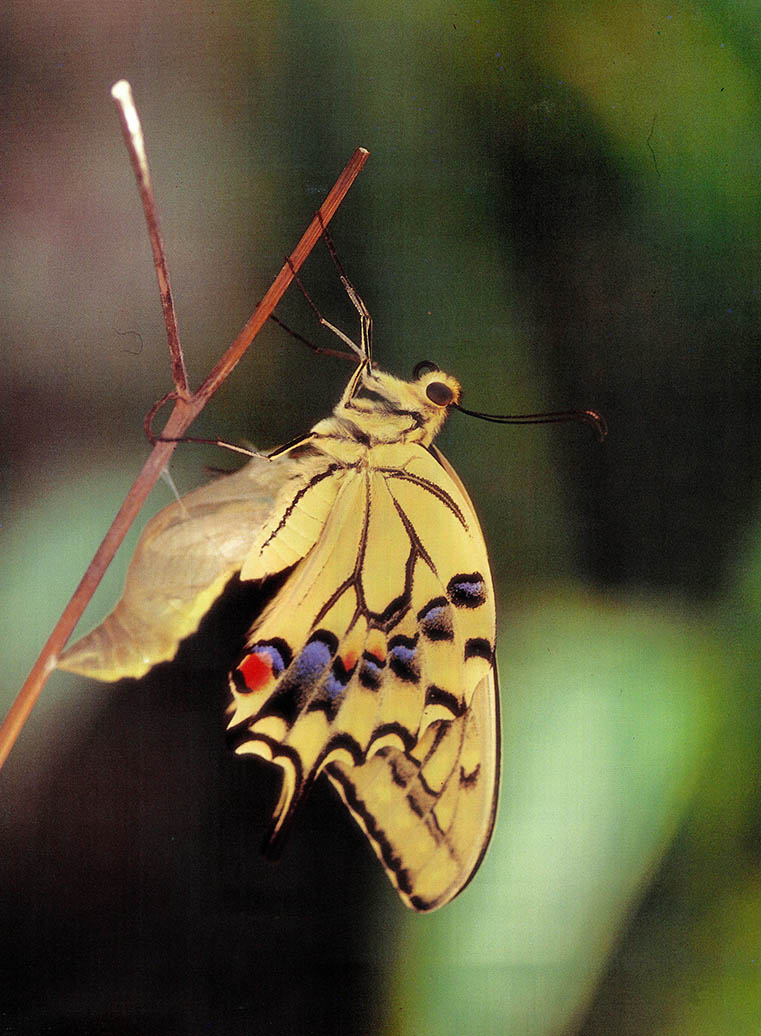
[[187, 404]]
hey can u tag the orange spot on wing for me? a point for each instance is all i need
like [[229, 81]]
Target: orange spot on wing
[[257, 671], [376, 646]]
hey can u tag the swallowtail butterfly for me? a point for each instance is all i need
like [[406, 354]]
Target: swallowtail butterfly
[[374, 660]]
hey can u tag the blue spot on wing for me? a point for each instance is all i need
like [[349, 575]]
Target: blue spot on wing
[[403, 653], [339, 678], [333, 687], [403, 659], [275, 656], [467, 591], [436, 620], [309, 664], [371, 671]]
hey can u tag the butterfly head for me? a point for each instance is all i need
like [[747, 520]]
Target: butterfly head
[[383, 408]]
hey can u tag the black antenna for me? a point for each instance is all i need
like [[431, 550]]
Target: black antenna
[[591, 417]]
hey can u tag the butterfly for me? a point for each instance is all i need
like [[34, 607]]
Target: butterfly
[[373, 661]]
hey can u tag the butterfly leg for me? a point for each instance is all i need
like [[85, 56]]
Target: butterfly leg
[[365, 320], [359, 350], [319, 349]]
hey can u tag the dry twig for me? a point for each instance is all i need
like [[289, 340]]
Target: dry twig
[[187, 404]]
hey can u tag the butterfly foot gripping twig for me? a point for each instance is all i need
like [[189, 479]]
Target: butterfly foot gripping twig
[[363, 351], [341, 354], [187, 404], [150, 417], [324, 322]]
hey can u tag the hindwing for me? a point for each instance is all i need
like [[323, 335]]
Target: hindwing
[[375, 662]]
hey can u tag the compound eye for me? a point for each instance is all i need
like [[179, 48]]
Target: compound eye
[[439, 393], [424, 367]]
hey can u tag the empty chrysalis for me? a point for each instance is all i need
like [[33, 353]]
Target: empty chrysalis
[[374, 660]]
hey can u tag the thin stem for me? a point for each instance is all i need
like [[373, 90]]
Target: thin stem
[[186, 409], [133, 137], [45, 664], [151, 416]]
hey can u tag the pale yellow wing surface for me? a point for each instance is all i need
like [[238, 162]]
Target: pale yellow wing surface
[[184, 559], [429, 813], [375, 662]]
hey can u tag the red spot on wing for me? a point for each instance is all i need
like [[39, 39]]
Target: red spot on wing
[[256, 670], [349, 661]]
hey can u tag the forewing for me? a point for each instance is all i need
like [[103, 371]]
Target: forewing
[[185, 557], [429, 813]]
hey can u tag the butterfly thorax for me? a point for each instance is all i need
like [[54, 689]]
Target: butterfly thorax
[[378, 408]]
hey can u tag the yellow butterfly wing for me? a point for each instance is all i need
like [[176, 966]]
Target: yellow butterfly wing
[[429, 814], [185, 557], [375, 662]]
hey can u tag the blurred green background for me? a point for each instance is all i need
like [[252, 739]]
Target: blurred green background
[[562, 208]]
